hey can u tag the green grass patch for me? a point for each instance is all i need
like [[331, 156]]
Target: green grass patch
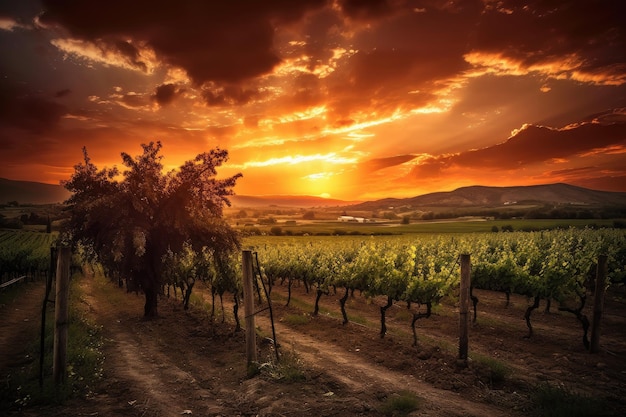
[[355, 318], [110, 291], [294, 302], [403, 315], [400, 404], [289, 368], [498, 370], [296, 319], [554, 401], [198, 302]]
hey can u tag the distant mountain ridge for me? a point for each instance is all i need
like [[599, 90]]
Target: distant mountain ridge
[[28, 192], [478, 195]]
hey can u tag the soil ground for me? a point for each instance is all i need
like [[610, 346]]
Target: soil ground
[[186, 362]]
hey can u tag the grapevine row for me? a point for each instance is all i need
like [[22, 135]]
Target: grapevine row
[[23, 252], [551, 265]]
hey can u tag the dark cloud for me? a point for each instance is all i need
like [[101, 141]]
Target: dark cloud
[[130, 52], [62, 93], [165, 94], [537, 144], [26, 110], [531, 145], [230, 95], [21, 11], [606, 183], [539, 31], [364, 9], [402, 53], [211, 40]]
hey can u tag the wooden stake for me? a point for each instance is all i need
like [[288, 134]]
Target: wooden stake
[[598, 304], [44, 308], [61, 316], [464, 309], [248, 303]]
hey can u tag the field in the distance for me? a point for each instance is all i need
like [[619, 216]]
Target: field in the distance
[[386, 227]]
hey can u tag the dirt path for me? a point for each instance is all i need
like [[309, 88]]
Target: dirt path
[[19, 324], [182, 363], [359, 375], [166, 380], [144, 374]]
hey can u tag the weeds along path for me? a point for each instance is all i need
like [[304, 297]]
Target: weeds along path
[[361, 376], [554, 355], [182, 362], [147, 368], [357, 375]]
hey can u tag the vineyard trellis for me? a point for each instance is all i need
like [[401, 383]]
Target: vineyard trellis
[[25, 253], [417, 270], [554, 265]]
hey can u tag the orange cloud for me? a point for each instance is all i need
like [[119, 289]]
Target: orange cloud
[[356, 99]]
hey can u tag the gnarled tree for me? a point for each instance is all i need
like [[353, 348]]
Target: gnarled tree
[[130, 221]]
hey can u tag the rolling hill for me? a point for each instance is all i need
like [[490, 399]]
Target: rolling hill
[[26, 192], [483, 196]]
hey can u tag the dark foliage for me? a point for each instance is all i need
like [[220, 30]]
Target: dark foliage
[[128, 222]]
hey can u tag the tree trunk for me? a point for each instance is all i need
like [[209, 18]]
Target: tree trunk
[[417, 316], [150, 307], [342, 303], [222, 304], [187, 295], [383, 311], [584, 321], [213, 291], [529, 311], [235, 313], [316, 309], [288, 293]]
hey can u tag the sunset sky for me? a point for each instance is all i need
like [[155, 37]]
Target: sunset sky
[[349, 99]]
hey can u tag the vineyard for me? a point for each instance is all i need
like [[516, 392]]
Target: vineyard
[[25, 254], [419, 271], [557, 265], [552, 265], [399, 281]]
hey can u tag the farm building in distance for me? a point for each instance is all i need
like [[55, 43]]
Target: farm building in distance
[[352, 219]]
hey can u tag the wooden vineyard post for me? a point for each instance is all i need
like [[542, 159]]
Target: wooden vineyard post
[[61, 316], [248, 303], [44, 307], [598, 304], [463, 309]]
